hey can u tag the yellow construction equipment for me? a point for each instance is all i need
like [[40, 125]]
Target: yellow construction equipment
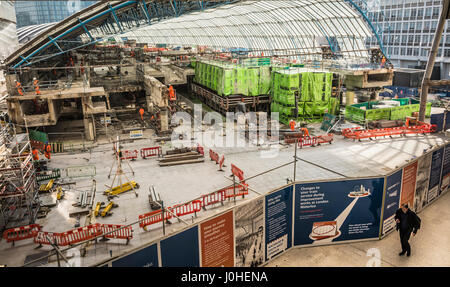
[[107, 209], [59, 193], [97, 208], [46, 187], [122, 188]]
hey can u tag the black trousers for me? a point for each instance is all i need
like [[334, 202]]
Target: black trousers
[[404, 237]]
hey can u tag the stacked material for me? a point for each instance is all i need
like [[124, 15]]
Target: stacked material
[[232, 79], [314, 89], [363, 112], [181, 156]]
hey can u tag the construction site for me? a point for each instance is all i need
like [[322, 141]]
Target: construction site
[[242, 129]]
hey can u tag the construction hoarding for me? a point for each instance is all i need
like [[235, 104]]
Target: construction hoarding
[[423, 175], [445, 177], [146, 257], [391, 201], [342, 210], [217, 241], [408, 184], [279, 221], [435, 175], [181, 250]]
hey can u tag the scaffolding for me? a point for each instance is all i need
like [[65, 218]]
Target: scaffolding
[[18, 188]]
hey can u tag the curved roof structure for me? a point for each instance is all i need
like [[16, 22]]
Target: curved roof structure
[[28, 33], [274, 27]]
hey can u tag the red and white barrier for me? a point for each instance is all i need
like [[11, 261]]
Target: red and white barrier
[[21, 233], [150, 151], [82, 233], [153, 217], [124, 233], [129, 154], [184, 209], [212, 198]]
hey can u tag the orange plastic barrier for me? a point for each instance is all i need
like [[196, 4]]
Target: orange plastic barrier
[[129, 154], [188, 208], [212, 198], [241, 189], [359, 133], [22, 232], [237, 172], [221, 163], [150, 151], [56, 238], [214, 156], [307, 141], [82, 233], [153, 217], [124, 233]]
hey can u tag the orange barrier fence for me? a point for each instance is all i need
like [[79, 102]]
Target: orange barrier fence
[[129, 154], [150, 151], [212, 198], [82, 233], [359, 133], [188, 208], [124, 233], [22, 232], [153, 217], [42, 237]]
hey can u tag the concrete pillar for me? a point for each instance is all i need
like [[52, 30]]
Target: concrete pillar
[[89, 129], [164, 120]]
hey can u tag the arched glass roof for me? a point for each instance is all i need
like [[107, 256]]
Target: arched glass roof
[[273, 27]]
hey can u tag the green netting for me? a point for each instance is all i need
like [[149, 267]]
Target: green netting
[[38, 136]]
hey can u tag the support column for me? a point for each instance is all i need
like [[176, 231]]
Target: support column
[[164, 120], [432, 57]]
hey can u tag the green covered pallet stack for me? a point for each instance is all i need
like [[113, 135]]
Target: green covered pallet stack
[[314, 89], [231, 79], [364, 112]]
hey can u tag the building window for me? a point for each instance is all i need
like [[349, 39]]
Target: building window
[[435, 12], [403, 51], [416, 52], [419, 26], [420, 13], [409, 50]]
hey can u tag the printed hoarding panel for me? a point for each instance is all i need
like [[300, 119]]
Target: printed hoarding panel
[[279, 221], [423, 176], [408, 184], [217, 241], [146, 257], [391, 200], [326, 212], [445, 180], [181, 250], [249, 234], [435, 175]]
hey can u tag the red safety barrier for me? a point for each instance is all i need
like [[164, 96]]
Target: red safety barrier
[[124, 233], [153, 217], [237, 172], [82, 233], [22, 232], [129, 154], [214, 156], [187, 208], [307, 141], [200, 149], [151, 151], [212, 198], [42, 237], [359, 133], [241, 189], [221, 163]]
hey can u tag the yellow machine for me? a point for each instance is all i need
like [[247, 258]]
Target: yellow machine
[[122, 188], [59, 193], [46, 187], [107, 209], [97, 209]]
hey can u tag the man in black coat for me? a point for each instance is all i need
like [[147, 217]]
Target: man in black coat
[[407, 222]]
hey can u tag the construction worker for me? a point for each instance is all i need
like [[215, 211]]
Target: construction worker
[[172, 95], [305, 132], [35, 154], [47, 150], [36, 86], [292, 125], [19, 87], [141, 112], [383, 61]]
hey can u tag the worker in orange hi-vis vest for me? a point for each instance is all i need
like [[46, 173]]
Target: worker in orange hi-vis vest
[[36, 86], [141, 112], [47, 150], [35, 154], [19, 87], [292, 125], [305, 132], [172, 96]]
